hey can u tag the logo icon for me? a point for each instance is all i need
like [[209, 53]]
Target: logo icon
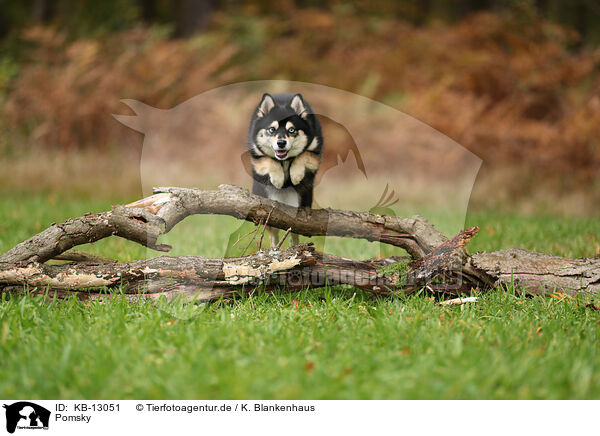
[[26, 415]]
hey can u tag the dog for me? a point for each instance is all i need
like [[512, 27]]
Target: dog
[[286, 145]]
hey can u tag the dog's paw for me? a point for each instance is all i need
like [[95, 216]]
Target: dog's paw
[[265, 165], [297, 171], [277, 177], [303, 163]]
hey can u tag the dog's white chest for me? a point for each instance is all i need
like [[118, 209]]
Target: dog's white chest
[[287, 196]]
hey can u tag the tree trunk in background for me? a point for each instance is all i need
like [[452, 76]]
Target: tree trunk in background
[[42, 11], [193, 16], [147, 10]]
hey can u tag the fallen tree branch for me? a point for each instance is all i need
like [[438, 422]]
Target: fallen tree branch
[[134, 224], [145, 220]]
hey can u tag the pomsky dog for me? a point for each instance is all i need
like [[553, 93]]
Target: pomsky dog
[[286, 145]]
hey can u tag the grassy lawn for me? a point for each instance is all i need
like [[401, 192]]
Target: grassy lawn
[[328, 343]]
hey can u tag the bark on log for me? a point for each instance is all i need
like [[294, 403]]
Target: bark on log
[[540, 273]]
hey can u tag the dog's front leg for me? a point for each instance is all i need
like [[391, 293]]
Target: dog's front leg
[[266, 166], [306, 161], [274, 232]]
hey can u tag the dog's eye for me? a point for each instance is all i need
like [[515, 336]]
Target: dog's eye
[[291, 130], [271, 130]]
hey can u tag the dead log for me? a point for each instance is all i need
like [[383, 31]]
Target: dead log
[[295, 268], [438, 264]]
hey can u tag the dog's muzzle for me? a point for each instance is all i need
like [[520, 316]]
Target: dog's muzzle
[[281, 150]]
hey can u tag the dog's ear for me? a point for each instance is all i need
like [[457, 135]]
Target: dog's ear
[[298, 105], [265, 106]]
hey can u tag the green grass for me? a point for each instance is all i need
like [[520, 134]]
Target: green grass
[[327, 343]]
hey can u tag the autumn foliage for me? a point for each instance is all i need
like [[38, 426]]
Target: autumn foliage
[[512, 88]]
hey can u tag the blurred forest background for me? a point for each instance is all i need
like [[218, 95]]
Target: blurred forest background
[[515, 82]]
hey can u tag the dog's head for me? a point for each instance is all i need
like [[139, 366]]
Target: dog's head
[[283, 126]]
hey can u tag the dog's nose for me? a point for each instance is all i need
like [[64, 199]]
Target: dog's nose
[[281, 143]]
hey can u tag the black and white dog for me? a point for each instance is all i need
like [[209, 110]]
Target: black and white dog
[[285, 144]]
